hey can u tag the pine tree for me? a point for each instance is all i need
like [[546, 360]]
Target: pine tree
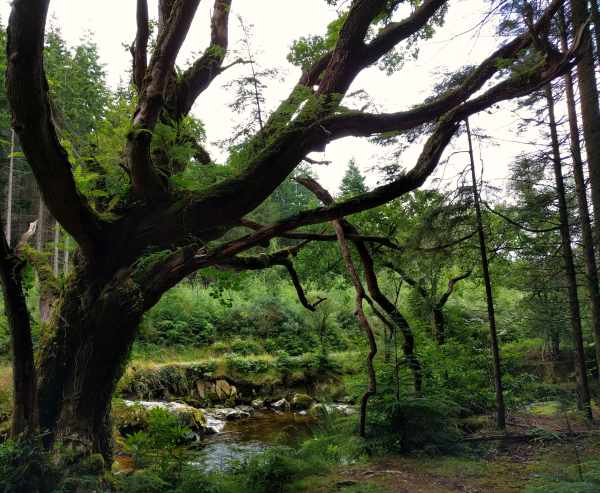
[[353, 182]]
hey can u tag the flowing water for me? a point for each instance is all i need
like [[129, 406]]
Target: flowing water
[[253, 435]]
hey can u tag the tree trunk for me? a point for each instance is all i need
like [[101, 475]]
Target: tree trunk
[[488, 292], [10, 190], [596, 21], [39, 237], [437, 324], [56, 240], [590, 110], [25, 408], [587, 237], [66, 256], [83, 354], [583, 391]]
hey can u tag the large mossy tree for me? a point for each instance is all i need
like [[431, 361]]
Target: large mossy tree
[[134, 247]]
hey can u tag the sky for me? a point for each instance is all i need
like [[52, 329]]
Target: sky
[[276, 23]]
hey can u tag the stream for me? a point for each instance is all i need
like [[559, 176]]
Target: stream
[[252, 435], [230, 440]]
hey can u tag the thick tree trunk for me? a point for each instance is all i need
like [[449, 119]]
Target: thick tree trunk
[[587, 236], [583, 390], [82, 356], [488, 291], [25, 408], [590, 109]]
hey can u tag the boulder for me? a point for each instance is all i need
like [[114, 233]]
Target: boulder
[[281, 404], [346, 410], [230, 402], [245, 409], [223, 387], [301, 401], [233, 415], [200, 385], [258, 404]]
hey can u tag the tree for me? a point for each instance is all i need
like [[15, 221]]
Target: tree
[[147, 239], [352, 182]]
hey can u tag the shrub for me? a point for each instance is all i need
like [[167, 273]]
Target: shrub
[[219, 347], [271, 346], [237, 364], [25, 466], [246, 348]]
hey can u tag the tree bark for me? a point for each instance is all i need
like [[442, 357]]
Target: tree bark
[[583, 390], [82, 355], [25, 405], [587, 235], [488, 292]]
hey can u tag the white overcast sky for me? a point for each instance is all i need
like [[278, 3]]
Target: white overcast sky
[[276, 24]]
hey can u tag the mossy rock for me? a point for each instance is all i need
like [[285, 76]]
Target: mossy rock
[[125, 416], [230, 402], [301, 401]]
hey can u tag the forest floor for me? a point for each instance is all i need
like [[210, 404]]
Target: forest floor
[[515, 469], [493, 466]]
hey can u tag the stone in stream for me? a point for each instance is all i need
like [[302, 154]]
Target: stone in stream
[[281, 404], [346, 410], [258, 404]]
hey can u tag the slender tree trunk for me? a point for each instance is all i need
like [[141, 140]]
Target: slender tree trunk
[[8, 232], [590, 109], [56, 240], [596, 21], [583, 391], [66, 256], [360, 295], [587, 237], [39, 237], [373, 286], [25, 406], [488, 292]]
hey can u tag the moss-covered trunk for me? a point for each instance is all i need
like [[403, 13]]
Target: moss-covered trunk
[[82, 355]]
